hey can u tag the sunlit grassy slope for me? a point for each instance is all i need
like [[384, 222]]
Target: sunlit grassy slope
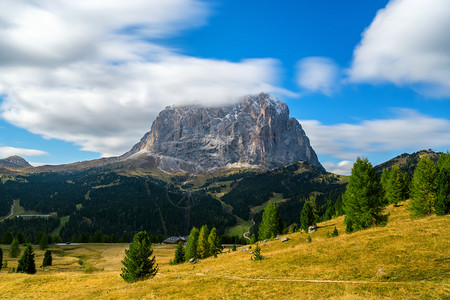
[[414, 254]]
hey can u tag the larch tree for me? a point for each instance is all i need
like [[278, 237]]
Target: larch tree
[[203, 245], [14, 250], [423, 188], [138, 264], [191, 247], [363, 198], [271, 224], [214, 242]]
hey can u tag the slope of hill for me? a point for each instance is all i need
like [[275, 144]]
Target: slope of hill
[[408, 162], [406, 259]]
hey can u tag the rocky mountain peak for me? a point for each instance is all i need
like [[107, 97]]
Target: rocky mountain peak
[[255, 132], [14, 162]]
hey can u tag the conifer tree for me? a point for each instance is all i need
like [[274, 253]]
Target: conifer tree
[[252, 238], [329, 212], [38, 237], [271, 224], [14, 250], [214, 242], [26, 262], [48, 260], [43, 244], [395, 190], [362, 199], [338, 207], [7, 238], [423, 188], [442, 205], [306, 216], [335, 232], [191, 247], [179, 254], [137, 262], [1, 259], [203, 250]]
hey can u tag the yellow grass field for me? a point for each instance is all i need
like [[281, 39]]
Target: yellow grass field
[[414, 254]]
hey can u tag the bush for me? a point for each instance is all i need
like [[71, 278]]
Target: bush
[[335, 232]]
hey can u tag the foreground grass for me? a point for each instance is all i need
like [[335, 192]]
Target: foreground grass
[[414, 255]]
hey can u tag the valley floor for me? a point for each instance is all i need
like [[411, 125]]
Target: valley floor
[[414, 256]]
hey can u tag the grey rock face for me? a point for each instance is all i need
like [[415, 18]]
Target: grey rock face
[[256, 132]]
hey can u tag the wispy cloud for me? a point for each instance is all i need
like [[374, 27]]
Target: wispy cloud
[[94, 73], [10, 151], [407, 130], [407, 44], [318, 74]]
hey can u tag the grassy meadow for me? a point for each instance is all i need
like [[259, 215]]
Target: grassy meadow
[[414, 256]]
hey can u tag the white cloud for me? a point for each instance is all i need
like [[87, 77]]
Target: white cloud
[[10, 151], [318, 74], [90, 72], [408, 43], [343, 167], [409, 130]]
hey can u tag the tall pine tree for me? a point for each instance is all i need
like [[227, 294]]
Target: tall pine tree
[[423, 188], [26, 262], [203, 245], [306, 216], [363, 198], [137, 262], [191, 247], [271, 224], [442, 205]]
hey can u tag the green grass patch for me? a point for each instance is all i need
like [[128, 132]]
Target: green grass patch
[[240, 228], [62, 221], [277, 198]]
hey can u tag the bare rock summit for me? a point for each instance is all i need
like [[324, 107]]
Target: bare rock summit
[[254, 133]]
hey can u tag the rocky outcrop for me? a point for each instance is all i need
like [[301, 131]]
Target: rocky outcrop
[[256, 132]]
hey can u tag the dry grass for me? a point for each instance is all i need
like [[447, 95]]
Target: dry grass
[[414, 254]]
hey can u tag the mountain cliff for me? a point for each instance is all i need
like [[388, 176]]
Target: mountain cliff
[[254, 133]]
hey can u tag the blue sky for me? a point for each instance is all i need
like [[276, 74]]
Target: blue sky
[[81, 80]]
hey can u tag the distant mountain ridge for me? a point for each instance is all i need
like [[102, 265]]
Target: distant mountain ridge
[[408, 162], [254, 133], [15, 163]]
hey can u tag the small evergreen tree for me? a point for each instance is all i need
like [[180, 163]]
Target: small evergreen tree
[[257, 253], [179, 254], [43, 244], [191, 247], [271, 224], [234, 247], [203, 250], [306, 216], [442, 205], [335, 232], [48, 260], [363, 197], [1, 259], [14, 250], [214, 243], [137, 262], [423, 188], [338, 207], [26, 262]]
